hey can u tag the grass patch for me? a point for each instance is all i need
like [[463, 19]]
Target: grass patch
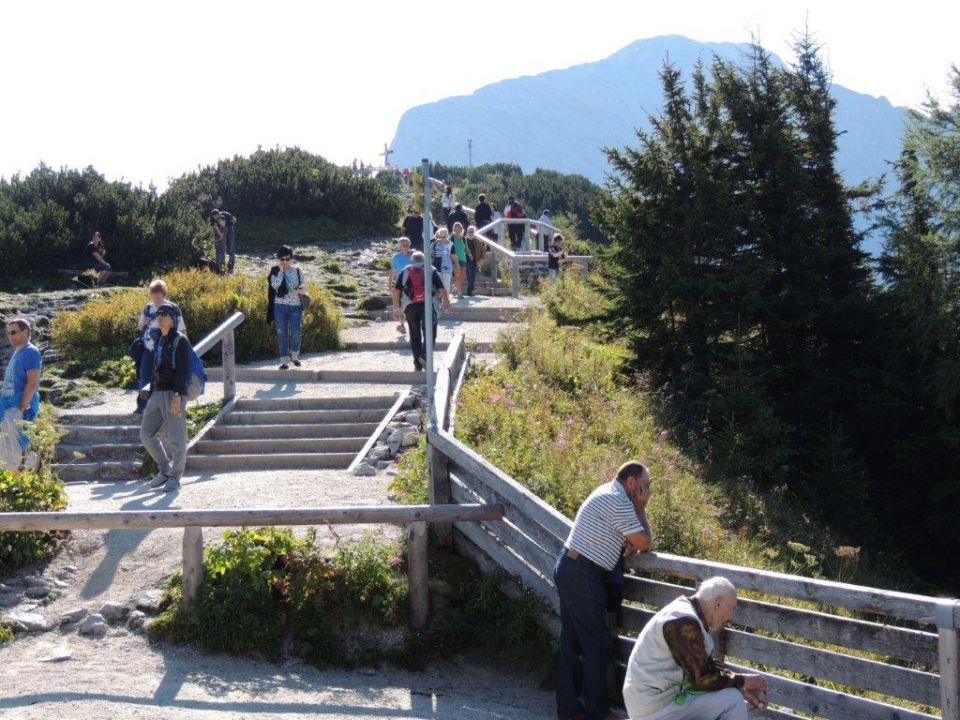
[[6, 634], [265, 590], [333, 267], [372, 303], [344, 288]]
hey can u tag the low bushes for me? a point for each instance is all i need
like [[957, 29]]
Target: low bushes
[[265, 590], [32, 491], [104, 328]]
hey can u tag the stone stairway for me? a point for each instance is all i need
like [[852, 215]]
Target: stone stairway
[[290, 433], [109, 443]]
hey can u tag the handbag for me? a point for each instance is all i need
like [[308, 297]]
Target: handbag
[[305, 301]]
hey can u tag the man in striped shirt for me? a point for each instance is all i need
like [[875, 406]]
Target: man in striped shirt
[[611, 520]]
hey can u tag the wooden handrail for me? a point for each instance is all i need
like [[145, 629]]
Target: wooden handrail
[[218, 333], [152, 519]]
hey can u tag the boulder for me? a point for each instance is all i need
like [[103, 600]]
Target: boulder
[[365, 470], [37, 593], [74, 616], [27, 622], [113, 612], [93, 626], [149, 602], [410, 439], [380, 452], [136, 619]]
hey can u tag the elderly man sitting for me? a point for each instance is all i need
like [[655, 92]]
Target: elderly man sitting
[[671, 674]]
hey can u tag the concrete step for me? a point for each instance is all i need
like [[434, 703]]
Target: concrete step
[[265, 375], [383, 402], [304, 417], [292, 432], [403, 345], [98, 452], [467, 314], [272, 461], [93, 434], [98, 471], [274, 446], [99, 420]]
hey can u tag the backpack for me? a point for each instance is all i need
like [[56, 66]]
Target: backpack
[[418, 284], [196, 373]]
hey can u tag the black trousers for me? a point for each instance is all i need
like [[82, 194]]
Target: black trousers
[[417, 327]]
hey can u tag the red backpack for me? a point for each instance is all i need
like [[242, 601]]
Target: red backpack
[[418, 285]]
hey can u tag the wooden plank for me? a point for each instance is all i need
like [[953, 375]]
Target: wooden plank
[[192, 566], [511, 564], [860, 673], [498, 481], [372, 440], [229, 355], [508, 534], [949, 654], [149, 519], [438, 486], [417, 575], [550, 543], [465, 547], [918, 608], [455, 393], [888, 640], [829, 703]]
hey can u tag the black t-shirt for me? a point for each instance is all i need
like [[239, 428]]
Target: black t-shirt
[[413, 228], [405, 285], [482, 214], [91, 248]]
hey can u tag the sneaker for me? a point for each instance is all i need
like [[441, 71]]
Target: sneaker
[[417, 367], [172, 485], [296, 362], [158, 480], [284, 366]]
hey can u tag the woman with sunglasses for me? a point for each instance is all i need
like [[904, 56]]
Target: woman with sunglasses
[[285, 309]]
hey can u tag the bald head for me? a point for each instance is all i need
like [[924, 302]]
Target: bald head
[[717, 598]]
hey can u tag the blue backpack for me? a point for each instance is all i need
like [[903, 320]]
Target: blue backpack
[[196, 375]]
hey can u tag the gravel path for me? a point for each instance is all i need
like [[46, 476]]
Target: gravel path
[[122, 675]]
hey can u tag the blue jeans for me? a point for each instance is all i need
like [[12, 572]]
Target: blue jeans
[[229, 245], [581, 586], [471, 275], [289, 322]]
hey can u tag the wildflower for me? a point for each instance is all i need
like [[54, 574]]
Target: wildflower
[[511, 404], [569, 422], [494, 397], [396, 560], [561, 444]]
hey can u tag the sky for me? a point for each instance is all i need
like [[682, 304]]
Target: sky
[[145, 90]]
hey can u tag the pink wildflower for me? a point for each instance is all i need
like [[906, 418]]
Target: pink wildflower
[[396, 560], [561, 443]]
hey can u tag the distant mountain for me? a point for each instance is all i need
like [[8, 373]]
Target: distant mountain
[[561, 120]]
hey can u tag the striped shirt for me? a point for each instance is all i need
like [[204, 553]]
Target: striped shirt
[[606, 517]]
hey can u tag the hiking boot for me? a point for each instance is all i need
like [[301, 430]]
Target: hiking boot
[[172, 485], [158, 480], [296, 362]]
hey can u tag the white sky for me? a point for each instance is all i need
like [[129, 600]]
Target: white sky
[[148, 90]]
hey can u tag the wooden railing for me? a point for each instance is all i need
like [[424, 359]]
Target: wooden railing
[[224, 334], [913, 639], [519, 257], [415, 517]]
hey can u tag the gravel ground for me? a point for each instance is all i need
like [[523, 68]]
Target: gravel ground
[[124, 676]]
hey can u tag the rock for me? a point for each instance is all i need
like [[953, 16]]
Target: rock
[[383, 465], [364, 470], [59, 653], [74, 616], [34, 581], [149, 602], [136, 619], [410, 439], [113, 612], [27, 622], [9, 600], [385, 435], [413, 418], [392, 472], [93, 626], [36, 593], [70, 568], [4, 588], [380, 452], [60, 584]]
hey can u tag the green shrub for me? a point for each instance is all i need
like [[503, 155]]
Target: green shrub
[[333, 267], [104, 328], [264, 587], [409, 485], [32, 491], [120, 372], [346, 288], [372, 303]]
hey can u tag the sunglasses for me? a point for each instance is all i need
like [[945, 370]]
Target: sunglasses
[[11, 333], [285, 259]]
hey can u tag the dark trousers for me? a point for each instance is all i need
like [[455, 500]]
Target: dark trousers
[[471, 275], [516, 234], [144, 376], [417, 328], [584, 638]]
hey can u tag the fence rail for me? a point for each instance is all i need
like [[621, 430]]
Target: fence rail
[[415, 517], [821, 645]]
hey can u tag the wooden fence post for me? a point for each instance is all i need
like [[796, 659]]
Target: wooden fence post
[[515, 272], [229, 349], [192, 565], [439, 486], [418, 575], [949, 660]]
